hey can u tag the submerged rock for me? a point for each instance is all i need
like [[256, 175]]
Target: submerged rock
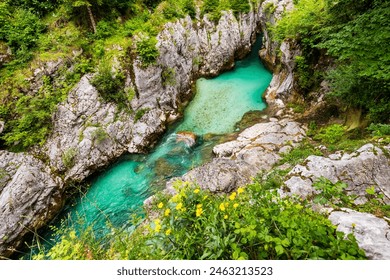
[[187, 137], [372, 233]]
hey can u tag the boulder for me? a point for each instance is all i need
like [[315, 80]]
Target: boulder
[[372, 233], [362, 169]]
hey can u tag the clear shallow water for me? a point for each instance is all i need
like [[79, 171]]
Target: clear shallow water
[[218, 105]]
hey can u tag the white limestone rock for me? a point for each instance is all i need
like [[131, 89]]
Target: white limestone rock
[[372, 233], [366, 167]]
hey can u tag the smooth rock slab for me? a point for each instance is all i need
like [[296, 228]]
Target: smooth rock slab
[[372, 233]]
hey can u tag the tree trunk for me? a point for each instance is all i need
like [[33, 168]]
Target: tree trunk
[[91, 18]]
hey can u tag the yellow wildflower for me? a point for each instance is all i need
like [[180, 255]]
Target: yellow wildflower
[[72, 234], [157, 228], [167, 212], [222, 207], [199, 212], [240, 190], [168, 231], [235, 205], [196, 190], [233, 196], [175, 198], [157, 221], [199, 206], [160, 205], [225, 217], [179, 206]]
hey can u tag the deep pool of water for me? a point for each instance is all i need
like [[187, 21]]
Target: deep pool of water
[[218, 105]]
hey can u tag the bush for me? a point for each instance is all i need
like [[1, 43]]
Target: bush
[[68, 157], [379, 129], [168, 76], [20, 31], [110, 85], [147, 50], [331, 134], [140, 113], [299, 154], [250, 223]]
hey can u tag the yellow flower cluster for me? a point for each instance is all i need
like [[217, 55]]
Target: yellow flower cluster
[[167, 212], [157, 224], [196, 191], [160, 205], [233, 196], [179, 206], [199, 210], [240, 190], [168, 231]]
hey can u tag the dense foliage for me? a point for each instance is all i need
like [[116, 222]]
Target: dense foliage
[[250, 223], [356, 35]]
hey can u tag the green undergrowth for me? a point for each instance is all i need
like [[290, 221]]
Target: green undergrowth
[[336, 195], [253, 222]]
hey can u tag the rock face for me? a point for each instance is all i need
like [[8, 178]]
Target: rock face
[[282, 84], [30, 195], [89, 133], [256, 148], [372, 233], [366, 167], [188, 50]]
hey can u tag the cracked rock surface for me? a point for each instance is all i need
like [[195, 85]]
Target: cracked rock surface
[[256, 148], [372, 233], [364, 168]]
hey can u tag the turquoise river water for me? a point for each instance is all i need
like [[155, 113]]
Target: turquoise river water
[[218, 105]]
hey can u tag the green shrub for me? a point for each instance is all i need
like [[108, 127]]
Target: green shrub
[[147, 50], [99, 135], [379, 129], [110, 85], [332, 194], [168, 76], [250, 223], [20, 29], [140, 113], [299, 154], [68, 157], [331, 134], [189, 8]]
